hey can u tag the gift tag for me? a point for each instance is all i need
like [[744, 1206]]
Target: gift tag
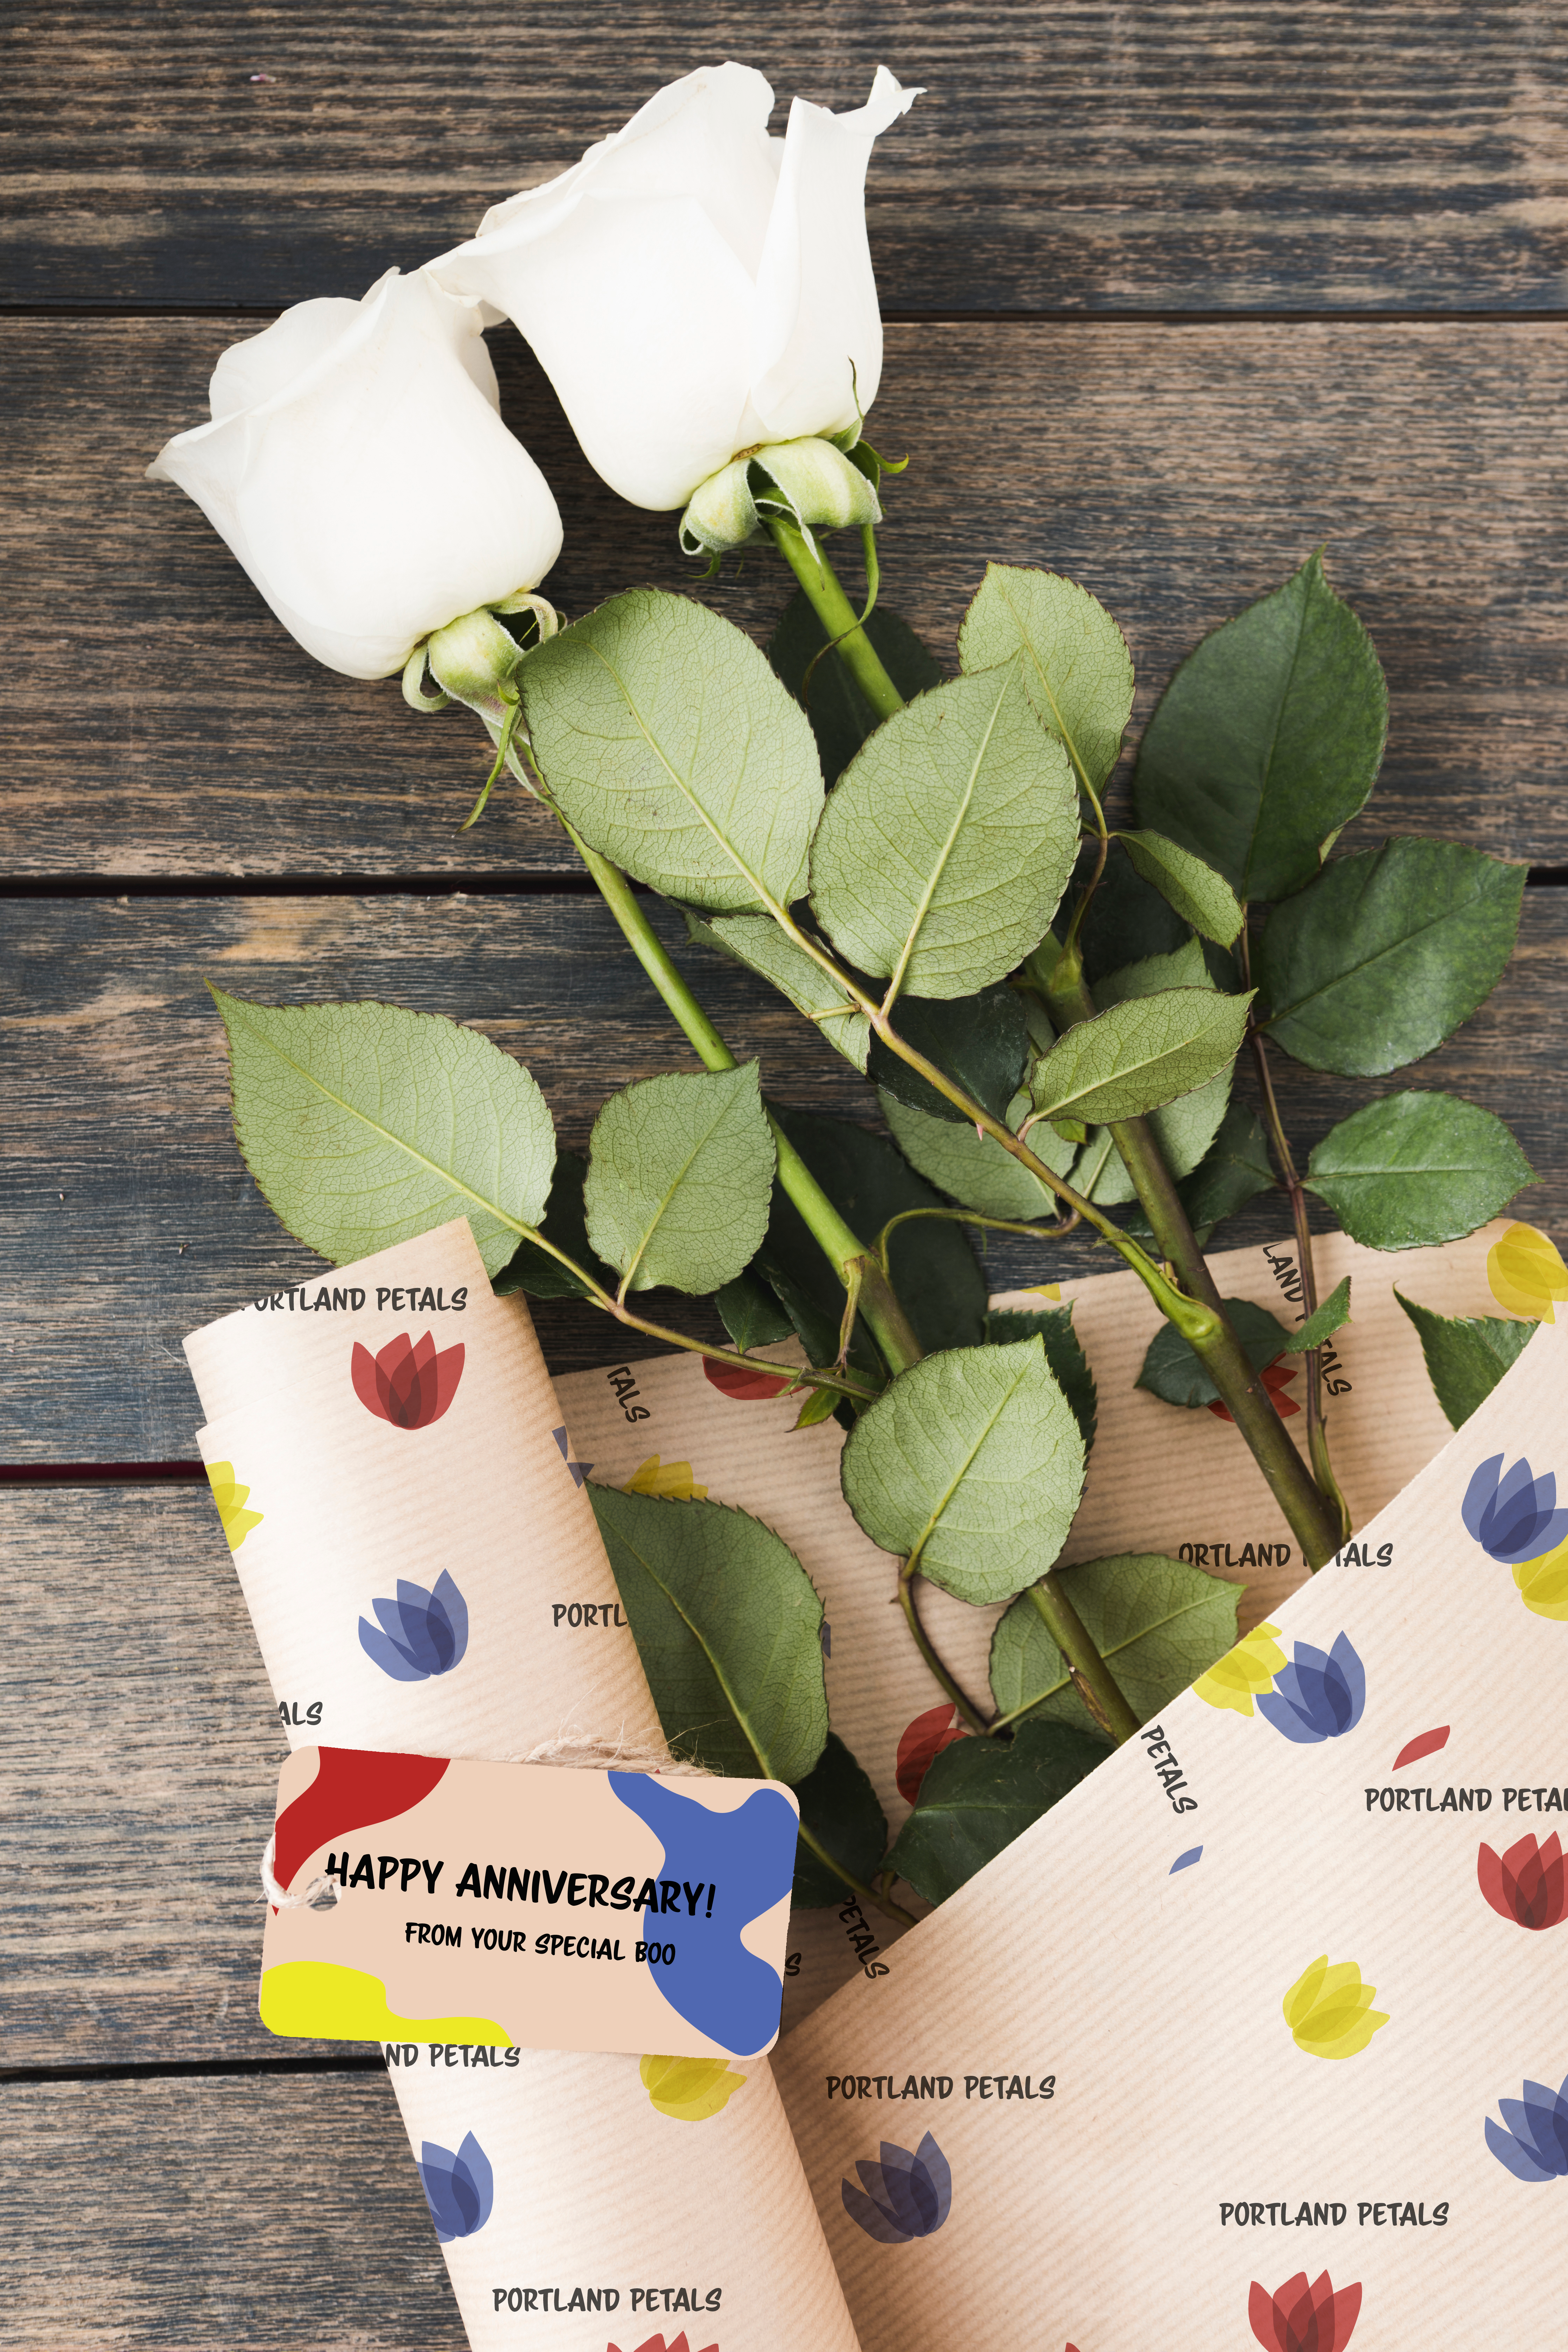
[[527, 1904]]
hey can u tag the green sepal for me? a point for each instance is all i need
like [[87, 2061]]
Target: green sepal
[[808, 482]]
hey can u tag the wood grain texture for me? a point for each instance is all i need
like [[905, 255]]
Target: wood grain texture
[[118, 1092], [1171, 153], [162, 722], [136, 1786], [253, 2213]]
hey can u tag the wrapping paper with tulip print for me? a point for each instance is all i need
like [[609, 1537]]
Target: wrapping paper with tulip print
[[666, 1426], [1294, 1999], [403, 1531]]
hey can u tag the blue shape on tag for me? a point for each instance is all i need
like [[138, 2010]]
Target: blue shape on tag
[[1185, 1860], [748, 1857]]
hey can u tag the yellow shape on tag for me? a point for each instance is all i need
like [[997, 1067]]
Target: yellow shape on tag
[[672, 1480], [690, 2089], [231, 1498], [319, 2001], [1044, 1290], [1526, 1273]]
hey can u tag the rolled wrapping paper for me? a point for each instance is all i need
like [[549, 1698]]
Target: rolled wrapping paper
[[392, 1477], [1244, 2009]]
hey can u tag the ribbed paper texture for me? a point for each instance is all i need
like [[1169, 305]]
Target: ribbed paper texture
[[1138, 1960], [587, 2186], [1160, 1480]]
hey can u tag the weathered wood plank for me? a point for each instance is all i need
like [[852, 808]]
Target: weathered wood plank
[[162, 722], [140, 1766], [1209, 153], [250, 2212], [118, 1100]]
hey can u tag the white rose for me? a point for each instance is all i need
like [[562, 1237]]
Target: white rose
[[357, 466], [694, 288]]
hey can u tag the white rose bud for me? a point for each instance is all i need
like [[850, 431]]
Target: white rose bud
[[692, 288], [357, 466]]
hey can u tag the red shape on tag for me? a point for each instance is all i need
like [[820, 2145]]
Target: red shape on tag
[[354, 1787], [1427, 1745], [731, 1381]]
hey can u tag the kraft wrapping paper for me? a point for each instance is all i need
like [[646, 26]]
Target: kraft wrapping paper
[[1158, 1972], [1195, 1491], [554, 2174]]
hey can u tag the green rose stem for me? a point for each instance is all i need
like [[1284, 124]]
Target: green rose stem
[[1091, 1677], [1312, 1509], [885, 1317], [1317, 1435], [609, 1302], [1314, 1516], [877, 1300], [838, 618]]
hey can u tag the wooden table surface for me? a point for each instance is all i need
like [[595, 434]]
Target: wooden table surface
[[1175, 292]]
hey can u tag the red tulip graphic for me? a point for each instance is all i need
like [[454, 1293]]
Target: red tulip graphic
[[747, 1386], [1276, 1379], [657, 2343], [1528, 1883], [407, 1385], [1302, 2318], [922, 1743]]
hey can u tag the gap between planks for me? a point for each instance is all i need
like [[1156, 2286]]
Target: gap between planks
[[1083, 315], [381, 885]]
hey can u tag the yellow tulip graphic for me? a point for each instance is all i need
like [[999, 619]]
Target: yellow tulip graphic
[[1544, 1583], [690, 2089], [1526, 1273], [231, 1498], [1329, 2011], [673, 1480], [1250, 1667]]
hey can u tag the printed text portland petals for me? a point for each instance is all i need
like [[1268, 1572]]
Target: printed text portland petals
[[410, 1386]]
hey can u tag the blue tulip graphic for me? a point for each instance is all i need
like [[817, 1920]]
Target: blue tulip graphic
[[1513, 1518], [1535, 2145], [421, 1633], [903, 2197], [1319, 1696], [460, 2189]]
